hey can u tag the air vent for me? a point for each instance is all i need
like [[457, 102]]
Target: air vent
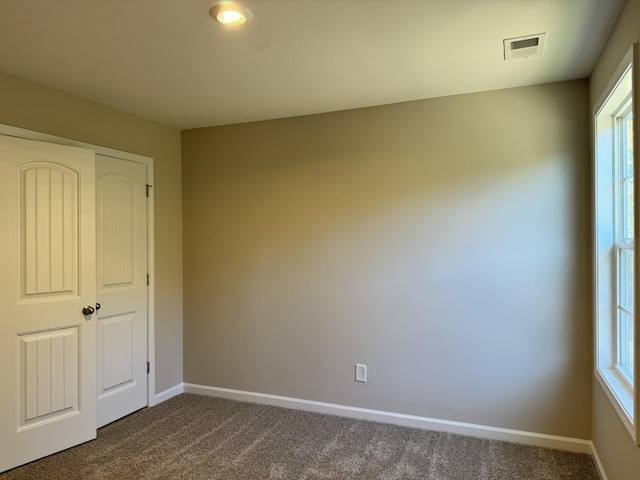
[[524, 47]]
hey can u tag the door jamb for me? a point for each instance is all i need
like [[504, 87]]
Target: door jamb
[[11, 131]]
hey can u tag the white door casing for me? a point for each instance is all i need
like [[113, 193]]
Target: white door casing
[[47, 260], [121, 266]]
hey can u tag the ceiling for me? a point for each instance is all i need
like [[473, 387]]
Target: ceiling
[[169, 61]]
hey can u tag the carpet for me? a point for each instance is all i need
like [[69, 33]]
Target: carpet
[[197, 437]]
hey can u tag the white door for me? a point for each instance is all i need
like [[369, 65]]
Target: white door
[[121, 264], [47, 265]]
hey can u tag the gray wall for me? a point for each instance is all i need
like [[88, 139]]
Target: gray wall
[[617, 452], [445, 243], [35, 107]]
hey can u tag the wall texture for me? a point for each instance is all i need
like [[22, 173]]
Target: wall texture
[[617, 452], [444, 243], [41, 109]]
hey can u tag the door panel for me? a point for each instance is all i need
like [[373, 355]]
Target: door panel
[[48, 374], [47, 260], [116, 350], [49, 223], [121, 230]]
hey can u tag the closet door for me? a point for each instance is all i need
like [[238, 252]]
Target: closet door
[[47, 299], [121, 263]]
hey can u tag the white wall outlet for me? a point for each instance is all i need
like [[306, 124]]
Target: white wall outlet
[[361, 372]]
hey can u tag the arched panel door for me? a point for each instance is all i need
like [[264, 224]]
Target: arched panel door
[[47, 293], [121, 264]]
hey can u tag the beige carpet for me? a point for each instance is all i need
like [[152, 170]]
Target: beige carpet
[[197, 437]]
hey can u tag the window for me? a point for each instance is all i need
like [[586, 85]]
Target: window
[[614, 234], [623, 191]]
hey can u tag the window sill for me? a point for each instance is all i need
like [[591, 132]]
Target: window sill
[[620, 396]]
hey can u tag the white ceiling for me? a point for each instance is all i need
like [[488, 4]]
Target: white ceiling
[[169, 61]]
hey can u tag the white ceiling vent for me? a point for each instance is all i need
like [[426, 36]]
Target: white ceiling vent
[[524, 47]]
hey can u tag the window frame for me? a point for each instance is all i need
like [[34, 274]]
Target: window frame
[[623, 241], [609, 240]]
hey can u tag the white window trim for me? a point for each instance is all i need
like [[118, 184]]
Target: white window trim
[[625, 400]]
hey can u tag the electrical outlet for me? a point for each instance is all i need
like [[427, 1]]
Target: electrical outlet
[[361, 373]]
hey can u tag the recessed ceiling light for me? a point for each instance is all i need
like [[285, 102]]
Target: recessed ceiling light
[[230, 13]]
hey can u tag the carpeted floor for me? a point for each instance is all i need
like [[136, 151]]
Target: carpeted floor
[[197, 437]]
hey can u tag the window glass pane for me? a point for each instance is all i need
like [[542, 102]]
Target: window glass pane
[[628, 210], [627, 152], [625, 278], [625, 344], [628, 147]]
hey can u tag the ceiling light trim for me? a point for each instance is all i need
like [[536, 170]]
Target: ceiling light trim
[[230, 14]]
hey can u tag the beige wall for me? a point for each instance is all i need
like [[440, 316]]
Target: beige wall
[[444, 243], [620, 457], [27, 105]]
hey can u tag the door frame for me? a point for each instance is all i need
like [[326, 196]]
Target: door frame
[[11, 131]]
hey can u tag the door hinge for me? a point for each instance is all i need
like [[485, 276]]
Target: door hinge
[[148, 279], [148, 187], [148, 368]]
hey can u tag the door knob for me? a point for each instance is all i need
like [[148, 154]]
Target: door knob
[[87, 310]]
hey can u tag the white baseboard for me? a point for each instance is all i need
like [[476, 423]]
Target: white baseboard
[[483, 431], [599, 466], [167, 394]]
